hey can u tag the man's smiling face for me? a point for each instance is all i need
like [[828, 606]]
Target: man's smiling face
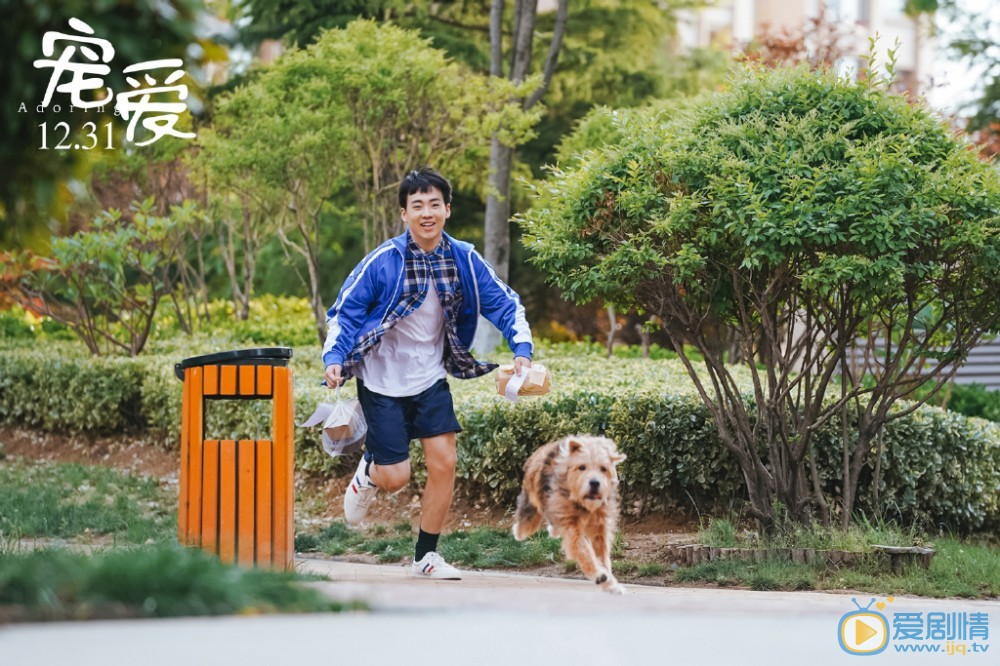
[[424, 215]]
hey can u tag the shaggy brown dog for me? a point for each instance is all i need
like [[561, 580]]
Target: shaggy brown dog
[[572, 484]]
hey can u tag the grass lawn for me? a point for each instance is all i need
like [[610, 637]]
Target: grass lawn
[[149, 581], [968, 569], [958, 570], [478, 548], [65, 500], [114, 511], [69, 501]]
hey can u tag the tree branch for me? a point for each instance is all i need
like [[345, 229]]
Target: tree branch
[[562, 17], [496, 38]]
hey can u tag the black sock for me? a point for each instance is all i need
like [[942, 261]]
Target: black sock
[[426, 542], [368, 469]]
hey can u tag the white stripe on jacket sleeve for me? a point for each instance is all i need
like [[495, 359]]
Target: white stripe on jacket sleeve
[[522, 332]]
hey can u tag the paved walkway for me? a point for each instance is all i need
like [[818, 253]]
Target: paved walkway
[[489, 618]]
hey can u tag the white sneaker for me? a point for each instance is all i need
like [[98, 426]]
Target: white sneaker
[[433, 566], [359, 495]]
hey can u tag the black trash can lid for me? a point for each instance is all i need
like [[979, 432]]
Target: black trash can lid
[[260, 356]]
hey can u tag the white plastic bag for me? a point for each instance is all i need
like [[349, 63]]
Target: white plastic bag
[[344, 426]]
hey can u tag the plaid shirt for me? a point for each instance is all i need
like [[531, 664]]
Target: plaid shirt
[[419, 268]]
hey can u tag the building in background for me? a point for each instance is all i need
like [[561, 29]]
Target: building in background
[[738, 23]]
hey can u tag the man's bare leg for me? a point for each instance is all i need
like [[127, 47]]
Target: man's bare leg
[[441, 453]]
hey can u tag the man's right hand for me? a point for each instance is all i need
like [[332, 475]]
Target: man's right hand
[[333, 375]]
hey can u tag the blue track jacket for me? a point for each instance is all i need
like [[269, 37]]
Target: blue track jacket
[[375, 285]]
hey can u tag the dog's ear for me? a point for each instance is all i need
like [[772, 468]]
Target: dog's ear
[[568, 446], [613, 452]]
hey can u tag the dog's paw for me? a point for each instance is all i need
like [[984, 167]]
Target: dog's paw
[[612, 586], [516, 529]]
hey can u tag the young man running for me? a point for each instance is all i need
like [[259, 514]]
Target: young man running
[[405, 318]]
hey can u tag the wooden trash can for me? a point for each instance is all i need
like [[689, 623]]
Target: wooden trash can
[[237, 496]]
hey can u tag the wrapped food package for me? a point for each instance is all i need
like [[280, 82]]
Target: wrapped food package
[[536, 380]]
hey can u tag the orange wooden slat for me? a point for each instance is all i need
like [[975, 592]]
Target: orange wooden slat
[[264, 380], [289, 426], [227, 380], [211, 380], [227, 500], [197, 437], [193, 426], [210, 496], [246, 487], [196, 434], [290, 471], [283, 451], [195, 491], [264, 500], [189, 492], [248, 376], [182, 491]]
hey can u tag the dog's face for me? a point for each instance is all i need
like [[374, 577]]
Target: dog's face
[[590, 469]]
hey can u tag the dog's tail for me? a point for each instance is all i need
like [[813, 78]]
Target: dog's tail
[[527, 520]]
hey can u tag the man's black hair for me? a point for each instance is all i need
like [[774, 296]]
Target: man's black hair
[[422, 180]]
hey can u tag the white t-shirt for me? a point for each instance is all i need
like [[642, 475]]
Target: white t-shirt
[[410, 356]]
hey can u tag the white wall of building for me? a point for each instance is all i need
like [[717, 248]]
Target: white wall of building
[[735, 22]]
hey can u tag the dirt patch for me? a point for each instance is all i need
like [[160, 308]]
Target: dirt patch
[[323, 501], [137, 456], [658, 523]]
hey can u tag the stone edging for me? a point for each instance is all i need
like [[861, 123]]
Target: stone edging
[[895, 557]]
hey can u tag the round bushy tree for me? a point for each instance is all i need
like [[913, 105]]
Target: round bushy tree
[[351, 113], [849, 238]]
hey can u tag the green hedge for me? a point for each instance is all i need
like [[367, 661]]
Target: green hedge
[[282, 320], [50, 392], [939, 468], [972, 400]]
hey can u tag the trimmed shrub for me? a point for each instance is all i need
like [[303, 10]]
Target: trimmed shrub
[[17, 326], [498, 437], [694, 466], [14, 325], [45, 390], [975, 400], [939, 468], [273, 320]]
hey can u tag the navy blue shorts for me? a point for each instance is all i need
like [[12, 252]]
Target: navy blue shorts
[[393, 422]]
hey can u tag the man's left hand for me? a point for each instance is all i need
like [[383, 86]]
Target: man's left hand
[[521, 362]]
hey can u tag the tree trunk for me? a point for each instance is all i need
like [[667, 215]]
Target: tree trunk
[[182, 321], [310, 240], [203, 283], [612, 329], [644, 337], [497, 241], [320, 313], [228, 250], [498, 208], [497, 229]]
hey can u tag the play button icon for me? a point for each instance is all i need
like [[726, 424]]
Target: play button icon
[[864, 632]]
